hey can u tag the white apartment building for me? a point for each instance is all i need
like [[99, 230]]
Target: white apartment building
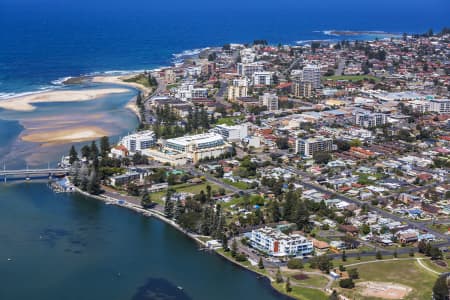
[[276, 243], [138, 141], [187, 91], [308, 147], [247, 55], [198, 147], [368, 119], [247, 69], [440, 106], [312, 74], [237, 89], [262, 78], [269, 100], [170, 76], [231, 133]]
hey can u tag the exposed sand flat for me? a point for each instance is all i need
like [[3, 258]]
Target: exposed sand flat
[[64, 136], [120, 81], [25, 103]]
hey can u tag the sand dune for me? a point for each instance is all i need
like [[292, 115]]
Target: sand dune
[[25, 103]]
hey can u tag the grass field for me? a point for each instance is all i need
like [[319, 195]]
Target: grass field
[[313, 281], [240, 185], [229, 120], [187, 188], [301, 293], [352, 77], [406, 272], [141, 79]]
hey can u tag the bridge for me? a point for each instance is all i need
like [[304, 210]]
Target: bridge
[[26, 173]]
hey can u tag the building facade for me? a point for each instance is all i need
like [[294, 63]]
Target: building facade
[[139, 141], [248, 69], [308, 147], [369, 119], [262, 78], [231, 133], [269, 100], [276, 243]]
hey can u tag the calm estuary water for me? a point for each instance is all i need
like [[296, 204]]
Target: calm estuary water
[[59, 246]]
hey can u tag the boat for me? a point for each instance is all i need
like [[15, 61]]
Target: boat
[[180, 288]]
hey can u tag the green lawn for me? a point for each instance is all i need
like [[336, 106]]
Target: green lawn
[[229, 120], [185, 187], [352, 77], [406, 272], [313, 281], [301, 293], [240, 185]]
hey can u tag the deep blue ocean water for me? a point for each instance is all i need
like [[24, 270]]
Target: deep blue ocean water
[[45, 40]]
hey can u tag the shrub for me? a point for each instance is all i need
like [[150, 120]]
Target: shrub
[[295, 263], [346, 283]]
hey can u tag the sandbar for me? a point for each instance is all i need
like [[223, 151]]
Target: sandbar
[[25, 103], [64, 136], [119, 80]]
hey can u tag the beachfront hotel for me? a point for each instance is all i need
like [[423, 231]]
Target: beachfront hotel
[[275, 243]]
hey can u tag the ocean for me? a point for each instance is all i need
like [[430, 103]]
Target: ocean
[[57, 246]]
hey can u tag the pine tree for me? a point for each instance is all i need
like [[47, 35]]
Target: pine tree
[[104, 146], [168, 208], [344, 256], [146, 201], [260, 264], [93, 151], [288, 285], [278, 276], [179, 210], [441, 288], [234, 248], [334, 295], [378, 255], [73, 155], [224, 240]]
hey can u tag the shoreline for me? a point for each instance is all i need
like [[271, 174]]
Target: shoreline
[[158, 215], [25, 103]]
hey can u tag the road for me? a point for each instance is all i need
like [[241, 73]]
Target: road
[[412, 224]]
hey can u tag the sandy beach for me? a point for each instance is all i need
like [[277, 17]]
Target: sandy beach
[[25, 103], [64, 136], [119, 80]]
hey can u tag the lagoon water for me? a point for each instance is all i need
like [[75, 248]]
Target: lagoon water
[[71, 247]]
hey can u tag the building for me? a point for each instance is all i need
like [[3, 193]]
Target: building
[[368, 119], [124, 179], [302, 89], [231, 133], [187, 91], [237, 89], [269, 100], [307, 147], [138, 141], [248, 69], [440, 106], [262, 78], [311, 74], [169, 76], [276, 243], [197, 147]]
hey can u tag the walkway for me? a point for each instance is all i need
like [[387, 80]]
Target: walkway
[[419, 261]]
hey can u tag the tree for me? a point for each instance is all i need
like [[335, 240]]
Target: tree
[[334, 296], [288, 285], [234, 248], [395, 253], [378, 255], [146, 201], [353, 273], [73, 155], [441, 288], [278, 276], [322, 157], [411, 252], [132, 189], [260, 264], [86, 151], [344, 256], [104, 146], [435, 253], [295, 263], [347, 283], [93, 151]]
